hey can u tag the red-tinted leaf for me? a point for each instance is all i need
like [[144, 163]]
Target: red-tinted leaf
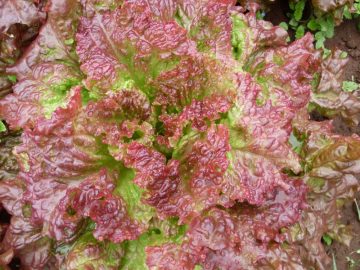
[[250, 34], [38, 95], [87, 253], [93, 198], [289, 69], [209, 24], [219, 240], [52, 43], [328, 96], [18, 12], [196, 114], [333, 164], [124, 45], [28, 242]]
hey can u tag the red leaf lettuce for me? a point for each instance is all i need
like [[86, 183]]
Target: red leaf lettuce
[[171, 135]]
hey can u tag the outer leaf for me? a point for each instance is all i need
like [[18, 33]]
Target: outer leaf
[[28, 242], [19, 11], [19, 23], [93, 198], [328, 96], [209, 24], [39, 95], [250, 34], [52, 43], [22, 238], [333, 163], [293, 65]]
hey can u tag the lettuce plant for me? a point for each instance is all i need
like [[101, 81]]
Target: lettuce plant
[[173, 135]]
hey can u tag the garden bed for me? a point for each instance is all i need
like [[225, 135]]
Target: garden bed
[[346, 38]]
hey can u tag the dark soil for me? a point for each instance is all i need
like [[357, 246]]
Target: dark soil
[[346, 38], [277, 11]]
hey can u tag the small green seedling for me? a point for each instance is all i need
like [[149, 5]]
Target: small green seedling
[[12, 78], [2, 127], [350, 86], [327, 239]]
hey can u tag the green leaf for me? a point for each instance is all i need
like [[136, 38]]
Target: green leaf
[[284, 25], [357, 7], [327, 26], [12, 78], [88, 253], [326, 53], [343, 55], [329, 33], [69, 41], [292, 5], [347, 13], [300, 32], [327, 239], [296, 144], [320, 39], [293, 23], [350, 86], [313, 25], [299, 9], [260, 15], [135, 256], [2, 127], [315, 183], [131, 194]]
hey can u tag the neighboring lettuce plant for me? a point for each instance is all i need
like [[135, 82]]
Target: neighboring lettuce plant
[[173, 134], [331, 97]]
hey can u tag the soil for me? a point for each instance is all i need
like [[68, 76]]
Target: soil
[[346, 38]]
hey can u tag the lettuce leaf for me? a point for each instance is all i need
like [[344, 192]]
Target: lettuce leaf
[[39, 95], [328, 97]]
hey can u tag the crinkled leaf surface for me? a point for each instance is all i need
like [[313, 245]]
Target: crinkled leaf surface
[[328, 96], [173, 135]]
